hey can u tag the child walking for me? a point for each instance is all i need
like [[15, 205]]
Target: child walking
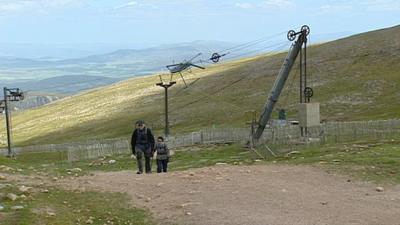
[[162, 155]]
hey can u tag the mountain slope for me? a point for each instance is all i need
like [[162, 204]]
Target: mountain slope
[[355, 78]]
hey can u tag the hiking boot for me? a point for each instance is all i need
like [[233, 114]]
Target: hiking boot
[[138, 172]]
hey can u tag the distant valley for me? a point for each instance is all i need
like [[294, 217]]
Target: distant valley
[[65, 85], [118, 64], [59, 78], [41, 92]]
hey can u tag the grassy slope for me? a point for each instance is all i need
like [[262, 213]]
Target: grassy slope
[[356, 78]]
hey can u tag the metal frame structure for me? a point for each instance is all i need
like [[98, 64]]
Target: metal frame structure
[[280, 81], [180, 67]]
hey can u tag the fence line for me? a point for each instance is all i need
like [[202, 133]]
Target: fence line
[[332, 132]]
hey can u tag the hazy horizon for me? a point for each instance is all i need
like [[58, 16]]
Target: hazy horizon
[[77, 28], [64, 51]]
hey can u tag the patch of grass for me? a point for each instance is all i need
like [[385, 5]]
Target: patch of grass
[[230, 154], [372, 161], [49, 163], [56, 164], [59, 207]]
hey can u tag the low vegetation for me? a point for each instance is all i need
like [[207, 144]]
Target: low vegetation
[[55, 164], [373, 161], [44, 204], [378, 162], [61, 207]]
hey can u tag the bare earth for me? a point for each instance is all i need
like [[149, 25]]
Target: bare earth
[[264, 194]]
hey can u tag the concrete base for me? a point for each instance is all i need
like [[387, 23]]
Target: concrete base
[[309, 115]]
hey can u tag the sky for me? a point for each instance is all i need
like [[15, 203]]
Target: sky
[[104, 25]]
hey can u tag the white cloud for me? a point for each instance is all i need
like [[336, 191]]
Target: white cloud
[[336, 8], [278, 3], [139, 3], [382, 5], [361, 6], [266, 4], [244, 5], [126, 5], [7, 6]]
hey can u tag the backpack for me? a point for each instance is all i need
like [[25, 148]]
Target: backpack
[[161, 149], [139, 140]]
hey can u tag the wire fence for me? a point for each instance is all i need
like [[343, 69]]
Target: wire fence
[[289, 135]]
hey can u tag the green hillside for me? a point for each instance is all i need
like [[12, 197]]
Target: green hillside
[[355, 78]]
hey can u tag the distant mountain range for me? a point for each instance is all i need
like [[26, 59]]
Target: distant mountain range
[[58, 78], [117, 64], [62, 85], [47, 90]]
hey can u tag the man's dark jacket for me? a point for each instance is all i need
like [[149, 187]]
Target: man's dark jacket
[[149, 142]]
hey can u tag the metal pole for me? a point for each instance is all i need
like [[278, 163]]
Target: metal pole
[[7, 122], [301, 76], [278, 86], [301, 86], [304, 132], [166, 86], [166, 112], [307, 99]]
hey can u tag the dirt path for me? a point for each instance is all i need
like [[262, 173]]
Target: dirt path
[[276, 195]]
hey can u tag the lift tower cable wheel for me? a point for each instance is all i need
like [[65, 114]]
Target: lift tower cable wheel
[[282, 77]]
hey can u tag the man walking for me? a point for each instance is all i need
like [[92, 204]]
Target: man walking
[[142, 143]]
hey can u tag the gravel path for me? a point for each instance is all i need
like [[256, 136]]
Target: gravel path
[[264, 194]]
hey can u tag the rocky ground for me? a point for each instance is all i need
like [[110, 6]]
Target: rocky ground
[[263, 194]]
